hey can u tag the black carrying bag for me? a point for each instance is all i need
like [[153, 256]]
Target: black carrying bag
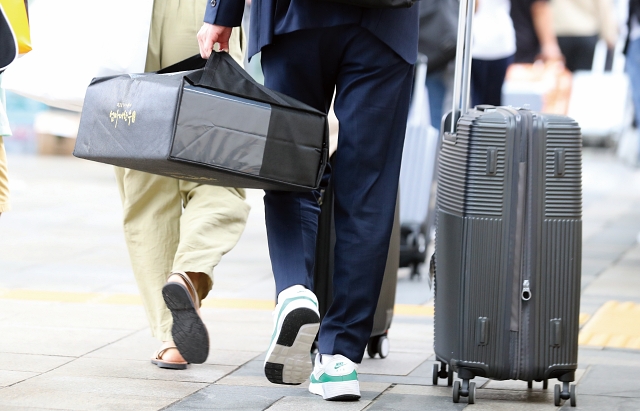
[[438, 33], [378, 4], [205, 121]]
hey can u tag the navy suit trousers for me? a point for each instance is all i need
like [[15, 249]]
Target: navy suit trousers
[[372, 86]]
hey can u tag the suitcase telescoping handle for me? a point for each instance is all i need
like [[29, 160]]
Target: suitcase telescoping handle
[[462, 76]]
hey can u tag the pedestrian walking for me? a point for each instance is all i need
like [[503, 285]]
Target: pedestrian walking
[[493, 50], [177, 231], [579, 24], [308, 48], [535, 35]]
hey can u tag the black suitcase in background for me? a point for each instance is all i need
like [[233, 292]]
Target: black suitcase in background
[[508, 245], [323, 275]]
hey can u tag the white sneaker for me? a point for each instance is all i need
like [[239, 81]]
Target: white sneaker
[[335, 377], [296, 321]]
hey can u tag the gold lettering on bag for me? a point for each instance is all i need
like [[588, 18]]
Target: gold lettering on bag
[[126, 116]]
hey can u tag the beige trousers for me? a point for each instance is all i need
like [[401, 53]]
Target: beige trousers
[[4, 179], [174, 225]]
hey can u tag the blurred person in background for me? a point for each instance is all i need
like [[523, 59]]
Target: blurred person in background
[[493, 50], [438, 31], [8, 53], [535, 35], [177, 231], [579, 24], [632, 64], [4, 131]]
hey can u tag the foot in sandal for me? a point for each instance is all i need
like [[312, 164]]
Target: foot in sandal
[[169, 357], [188, 331]]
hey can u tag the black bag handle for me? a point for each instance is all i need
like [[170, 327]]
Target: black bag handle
[[211, 67]]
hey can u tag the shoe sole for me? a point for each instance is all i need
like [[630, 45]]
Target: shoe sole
[[337, 391], [169, 365], [289, 358], [188, 331]]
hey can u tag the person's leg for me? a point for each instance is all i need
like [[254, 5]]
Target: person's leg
[[292, 217], [290, 67], [578, 51], [210, 226], [172, 37], [487, 78], [633, 70], [151, 215], [372, 104]]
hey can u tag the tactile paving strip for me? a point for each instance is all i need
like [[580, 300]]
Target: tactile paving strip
[[615, 325]]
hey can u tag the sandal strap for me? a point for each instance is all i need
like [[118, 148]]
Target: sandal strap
[[190, 286], [161, 352]]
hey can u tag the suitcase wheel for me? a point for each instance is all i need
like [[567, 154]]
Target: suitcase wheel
[[456, 392], [378, 345], [464, 389], [472, 393], [440, 371], [567, 392]]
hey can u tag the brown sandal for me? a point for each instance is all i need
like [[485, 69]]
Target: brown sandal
[[172, 365], [188, 331]]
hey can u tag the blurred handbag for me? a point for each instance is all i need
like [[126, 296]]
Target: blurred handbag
[[17, 14], [438, 32], [68, 52], [206, 121], [8, 43]]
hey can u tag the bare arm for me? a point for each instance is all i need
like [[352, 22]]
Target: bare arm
[[543, 24]]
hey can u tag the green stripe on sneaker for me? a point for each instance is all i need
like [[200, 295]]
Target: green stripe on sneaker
[[330, 378], [286, 302]]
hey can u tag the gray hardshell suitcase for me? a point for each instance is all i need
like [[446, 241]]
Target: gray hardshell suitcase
[[508, 243]]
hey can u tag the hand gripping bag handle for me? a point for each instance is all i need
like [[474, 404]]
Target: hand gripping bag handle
[[462, 76]]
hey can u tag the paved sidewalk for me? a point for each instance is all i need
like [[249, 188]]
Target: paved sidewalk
[[73, 335]]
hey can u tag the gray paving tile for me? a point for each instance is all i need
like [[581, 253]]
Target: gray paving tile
[[12, 377], [65, 401], [81, 315], [616, 282], [316, 403], [594, 266], [72, 342], [608, 356], [141, 345], [391, 401], [230, 398], [431, 391], [611, 381], [603, 251], [17, 408], [144, 370], [74, 384], [502, 405], [516, 396], [587, 402], [397, 363], [31, 362], [395, 379]]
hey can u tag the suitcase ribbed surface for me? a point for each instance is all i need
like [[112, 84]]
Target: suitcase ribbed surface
[[483, 259]]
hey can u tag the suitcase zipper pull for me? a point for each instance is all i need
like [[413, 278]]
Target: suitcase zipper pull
[[526, 291]]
